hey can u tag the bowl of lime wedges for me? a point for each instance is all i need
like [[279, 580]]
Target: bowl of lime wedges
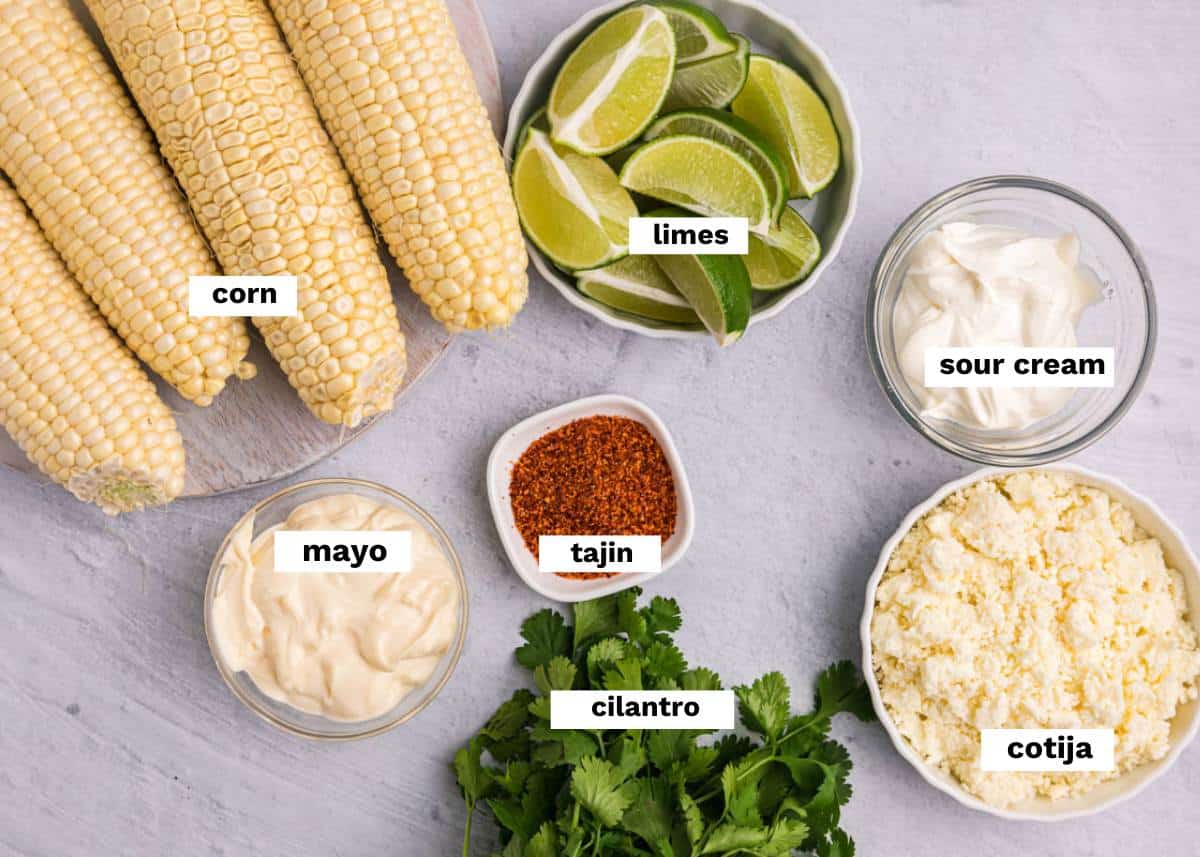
[[717, 108]]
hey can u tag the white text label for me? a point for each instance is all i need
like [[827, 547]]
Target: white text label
[[343, 551], [242, 296], [611, 554], [642, 709]]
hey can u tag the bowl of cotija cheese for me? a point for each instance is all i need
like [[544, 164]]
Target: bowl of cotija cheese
[[1049, 598]]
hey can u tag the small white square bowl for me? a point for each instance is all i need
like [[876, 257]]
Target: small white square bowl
[[517, 439]]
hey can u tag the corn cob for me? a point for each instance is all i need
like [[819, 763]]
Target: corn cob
[[71, 395], [233, 118], [398, 98], [83, 159]]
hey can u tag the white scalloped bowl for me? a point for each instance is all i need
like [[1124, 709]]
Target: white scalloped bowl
[[830, 213], [516, 440], [1187, 717]]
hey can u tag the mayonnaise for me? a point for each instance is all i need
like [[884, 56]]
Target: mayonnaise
[[346, 646], [972, 285]]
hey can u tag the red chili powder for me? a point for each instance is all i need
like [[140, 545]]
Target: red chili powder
[[592, 477]]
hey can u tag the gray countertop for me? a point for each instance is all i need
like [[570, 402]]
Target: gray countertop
[[118, 737]]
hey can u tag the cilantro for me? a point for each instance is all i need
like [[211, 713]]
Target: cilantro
[[546, 637], [656, 793]]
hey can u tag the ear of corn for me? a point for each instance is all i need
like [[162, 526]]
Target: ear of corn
[[397, 95], [221, 91], [83, 159], [70, 394]]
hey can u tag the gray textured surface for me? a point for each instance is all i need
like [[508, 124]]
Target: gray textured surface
[[118, 737]]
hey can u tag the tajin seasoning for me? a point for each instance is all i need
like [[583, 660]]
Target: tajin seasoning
[[592, 477]]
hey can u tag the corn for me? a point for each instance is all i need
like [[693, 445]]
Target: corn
[[71, 395], [83, 159], [233, 118], [398, 98]]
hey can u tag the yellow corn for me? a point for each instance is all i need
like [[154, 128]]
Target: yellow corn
[[221, 91], [70, 394], [398, 98], [83, 159]]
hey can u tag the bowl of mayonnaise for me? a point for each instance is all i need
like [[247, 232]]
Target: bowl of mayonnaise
[[336, 609], [1011, 320]]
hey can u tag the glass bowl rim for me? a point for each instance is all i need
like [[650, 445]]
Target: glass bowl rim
[[430, 691], [887, 259]]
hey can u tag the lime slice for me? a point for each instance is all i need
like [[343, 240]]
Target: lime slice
[[793, 117], [637, 285], [701, 175], [613, 84], [712, 82], [717, 287], [699, 34], [571, 206], [537, 120], [785, 255], [739, 135]]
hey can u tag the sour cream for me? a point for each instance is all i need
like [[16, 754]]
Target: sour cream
[[973, 285], [350, 646]]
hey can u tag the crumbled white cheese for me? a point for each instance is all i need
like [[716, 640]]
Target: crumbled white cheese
[[1031, 601]]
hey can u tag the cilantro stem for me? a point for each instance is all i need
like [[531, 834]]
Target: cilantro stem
[[466, 849]]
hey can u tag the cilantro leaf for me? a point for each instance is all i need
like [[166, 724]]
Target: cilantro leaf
[[472, 776], [840, 688], [650, 813], [728, 838], [546, 637], [765, 705], [596, 784], [700, 679], [629, 618], [662, 615], [510, 718], [627, 754], [514, 777], [595, 618], [784, 836], [544, 843], [559, 674], [739, 784], [668, 746], [665, 661], [627, 676], [839, 844], [693, 818]]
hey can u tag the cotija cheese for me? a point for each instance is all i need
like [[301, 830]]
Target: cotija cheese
[[1031, 601]]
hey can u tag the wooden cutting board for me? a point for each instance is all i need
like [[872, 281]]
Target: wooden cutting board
[[258, 431]]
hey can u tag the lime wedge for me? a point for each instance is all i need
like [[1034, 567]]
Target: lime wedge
[[637, 285], [701, 175], [785, 255], [571, 206], [699, 34], [712, 82], [739, 135], [717, 287], [793, 117], [614, 82], [537, 120]]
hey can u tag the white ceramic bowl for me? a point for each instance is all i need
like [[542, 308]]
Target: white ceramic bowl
[[499, 475], [1187, 718], [830, 213]]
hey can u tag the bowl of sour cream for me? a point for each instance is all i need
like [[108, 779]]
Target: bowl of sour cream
[[1011, 320], [338, 654]]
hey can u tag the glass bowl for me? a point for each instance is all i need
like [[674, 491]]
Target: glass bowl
[[274, 510], [1124, 318]]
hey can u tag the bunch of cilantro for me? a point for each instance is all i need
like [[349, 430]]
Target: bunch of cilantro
[[659, 793]]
